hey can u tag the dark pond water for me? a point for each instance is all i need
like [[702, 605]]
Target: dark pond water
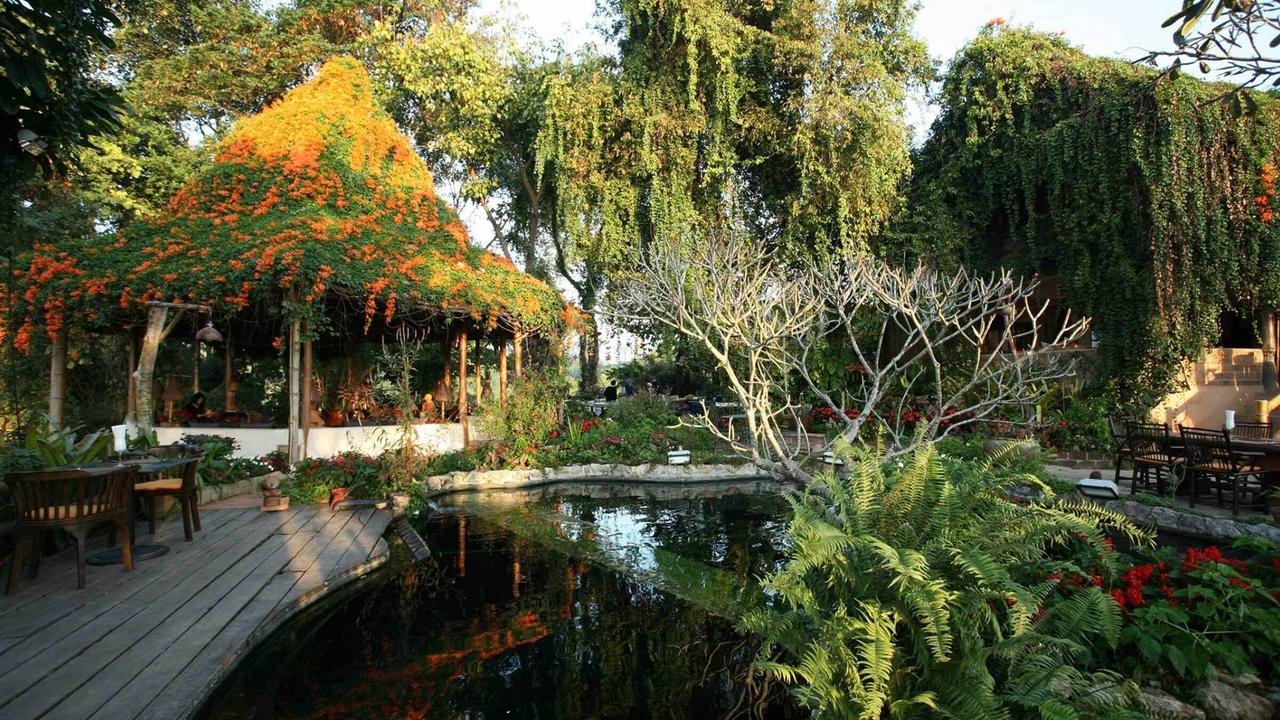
[[562, 602]]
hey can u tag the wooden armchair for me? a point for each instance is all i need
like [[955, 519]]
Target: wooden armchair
[[1252, 431], [1216, 467], [72, 501], [1121, 448], [182, 486], [1151, 449]]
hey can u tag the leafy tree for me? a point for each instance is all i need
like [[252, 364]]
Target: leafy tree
[[1233, 39], [916, 590]]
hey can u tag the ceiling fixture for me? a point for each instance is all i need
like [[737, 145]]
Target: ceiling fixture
[[32, 143]]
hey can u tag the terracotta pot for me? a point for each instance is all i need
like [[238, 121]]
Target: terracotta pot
[[335, 418]]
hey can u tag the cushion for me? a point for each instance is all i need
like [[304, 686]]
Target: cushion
[[161, 485]]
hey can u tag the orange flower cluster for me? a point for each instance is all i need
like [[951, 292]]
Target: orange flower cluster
[[319, 195], [1268, 177]]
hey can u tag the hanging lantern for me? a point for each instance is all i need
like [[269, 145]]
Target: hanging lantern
[[209, 334]]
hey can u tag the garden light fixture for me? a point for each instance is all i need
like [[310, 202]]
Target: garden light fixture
[[209, 334], [1098, 489]]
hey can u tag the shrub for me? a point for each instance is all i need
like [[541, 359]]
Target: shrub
[[917, 588], [1189, 614], [1078, 424], [217, 466], [313, 478], [527, 419]]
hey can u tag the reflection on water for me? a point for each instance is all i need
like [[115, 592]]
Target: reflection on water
[[546, 605]]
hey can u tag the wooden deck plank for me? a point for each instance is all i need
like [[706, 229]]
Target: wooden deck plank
[[73, 662], [86, 619], [114, 580], [255, 621], [154, 643], [58, 573]]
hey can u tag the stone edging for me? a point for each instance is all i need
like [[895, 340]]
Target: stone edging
[[1203, 526], [503, 479]]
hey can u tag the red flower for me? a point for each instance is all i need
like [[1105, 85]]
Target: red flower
[[613, 439]]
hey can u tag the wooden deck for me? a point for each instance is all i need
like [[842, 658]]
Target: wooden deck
[[153, 642]]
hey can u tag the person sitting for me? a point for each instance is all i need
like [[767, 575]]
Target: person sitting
[[611, 392], [194, 410]]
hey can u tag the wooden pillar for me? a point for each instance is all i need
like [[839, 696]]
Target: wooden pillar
[[305, 411], [446, 347], [462, 389], [58, 380], [518, 342], [475, 367], [502, 372], [295, 394], [195, 373], [131, 346], [228, 374]]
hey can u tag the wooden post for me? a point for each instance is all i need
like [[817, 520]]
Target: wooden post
[[305, 410], [58, 381], [1267, 333], [228, 374], [131, 412], [195, 374], [475, 366], [502, 372], [518, 342], [295, 394], [462, 389]]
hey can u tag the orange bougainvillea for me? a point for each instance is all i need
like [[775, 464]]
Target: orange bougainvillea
[[318, 196], [1266, 211]]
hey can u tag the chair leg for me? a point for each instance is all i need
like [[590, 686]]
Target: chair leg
[[151, 514], [80, 566], [126, 550], [37, 549], [195, 510], [185, 502], [15, 563]]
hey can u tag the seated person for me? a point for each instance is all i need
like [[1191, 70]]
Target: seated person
[[194, 409], [611, 392]]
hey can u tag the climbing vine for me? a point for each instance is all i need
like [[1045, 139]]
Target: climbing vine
[[1143, 199]]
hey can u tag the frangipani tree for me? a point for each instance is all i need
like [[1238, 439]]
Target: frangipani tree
[[954, 348]]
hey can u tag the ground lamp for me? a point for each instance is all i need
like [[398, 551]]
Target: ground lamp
[[679, 456], [172, 394], [829, 458], [1097, 488]]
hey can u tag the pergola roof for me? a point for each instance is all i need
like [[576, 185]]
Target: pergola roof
[[316, 206]]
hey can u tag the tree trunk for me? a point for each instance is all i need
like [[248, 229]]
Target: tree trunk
[[58, 381], [589, 356], [1267, 333], [144, 376], [518, 350]]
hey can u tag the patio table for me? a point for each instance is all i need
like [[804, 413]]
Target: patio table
[[148, 469]]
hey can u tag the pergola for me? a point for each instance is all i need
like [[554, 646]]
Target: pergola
[[316, 226]]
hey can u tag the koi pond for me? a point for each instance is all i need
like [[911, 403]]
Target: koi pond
[[566, 601]]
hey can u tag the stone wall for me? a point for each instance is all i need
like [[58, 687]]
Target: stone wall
[[505, 479], [1224, 379]]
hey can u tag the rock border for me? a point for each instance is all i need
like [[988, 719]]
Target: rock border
[[1193, 524], [651, 473]]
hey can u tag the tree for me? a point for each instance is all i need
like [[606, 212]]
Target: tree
[[1235, 40], [935, 352]]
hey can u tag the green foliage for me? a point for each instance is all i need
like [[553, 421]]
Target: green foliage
[[1078, 423], [64, 446], [313, 478], [915, 591], [527, 418], [217, 466], [1191, 614], [1136, 193]]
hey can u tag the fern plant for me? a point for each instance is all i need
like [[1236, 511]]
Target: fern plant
[[916, 589]]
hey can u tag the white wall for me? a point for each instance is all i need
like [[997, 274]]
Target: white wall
[[327, 441]]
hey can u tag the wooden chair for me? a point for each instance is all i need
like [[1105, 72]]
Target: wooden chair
[[1121, 448], [1151, 449], [72, 501], [1215, 467], [1252, 431], [183, 487]]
